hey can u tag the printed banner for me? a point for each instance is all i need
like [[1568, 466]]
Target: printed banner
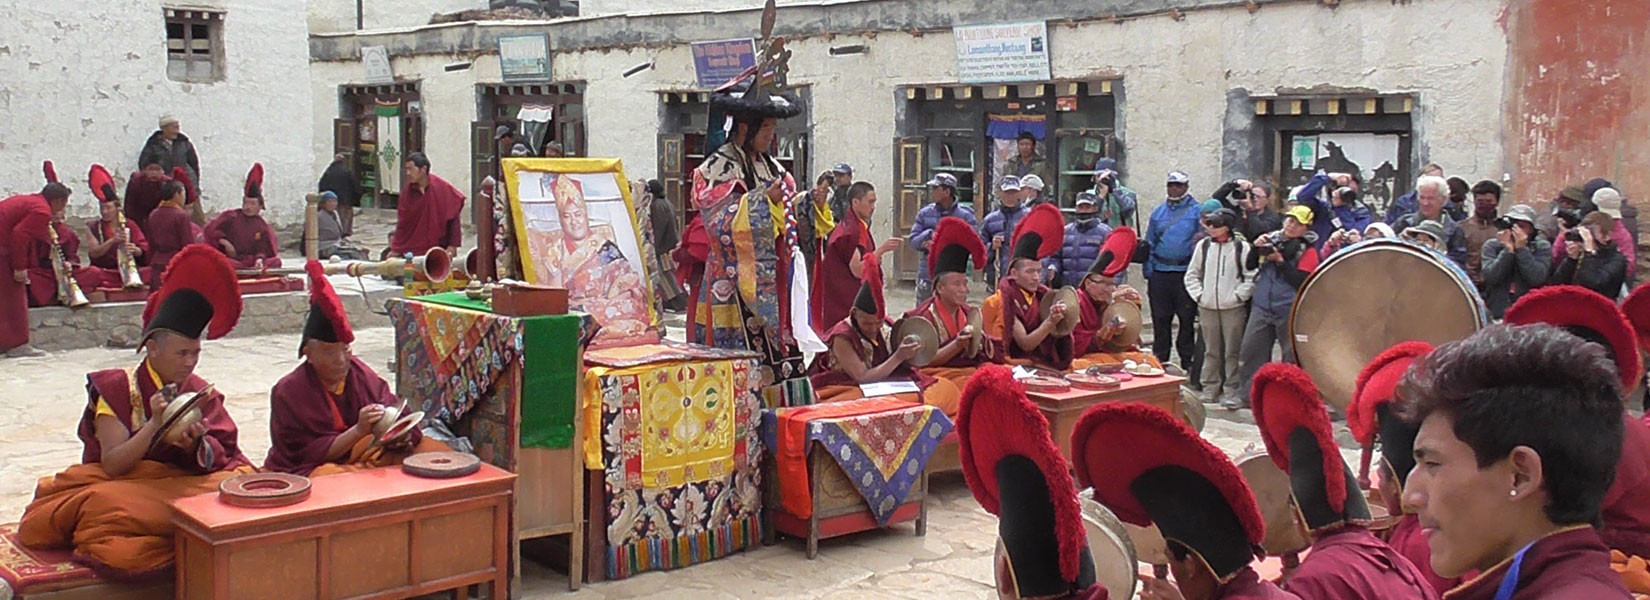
[[1002, 53], [717, 62]]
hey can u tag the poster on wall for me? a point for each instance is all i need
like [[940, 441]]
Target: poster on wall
[[1002, 53], [575, 229], [1375, 157], [524, 57]]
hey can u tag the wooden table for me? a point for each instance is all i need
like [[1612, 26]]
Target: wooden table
[[1063, 409], [378, 533]]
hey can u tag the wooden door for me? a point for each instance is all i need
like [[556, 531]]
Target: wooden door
[[909, 195], [484, 163], [344, 142], [672, 175]]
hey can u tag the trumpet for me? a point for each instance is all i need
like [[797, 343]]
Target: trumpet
[[129, 278], [434, 266], [68, 290]]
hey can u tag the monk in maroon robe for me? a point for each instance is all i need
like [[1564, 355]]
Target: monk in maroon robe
[[43, 279], [24, 221], [963, 345], [840, 269], [1028, 336], [145, 190], [244, 236], [859, 354], [428, 212], [114, 509], [170, 229], [105, 250], [322, 413]]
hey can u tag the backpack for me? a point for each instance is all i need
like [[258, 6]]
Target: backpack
[[1237, 257]]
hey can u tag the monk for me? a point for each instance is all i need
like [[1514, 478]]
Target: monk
[[24, 221], [1098, 291], [840, 266], [242, 234], [1028, 336], [43, 278], [963, 348], [169, 228], [859, 353], [428, 214], [322, 413], [109, 236], [1346, 560], [145, 190], [113, 509]]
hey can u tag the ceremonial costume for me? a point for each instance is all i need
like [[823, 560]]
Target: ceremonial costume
[[954, 244], [832, 383], [123, 524], [1626, 510], [1016, 473], [252, 237], [1373, 413], [1346, 560], [1037, 237], [427, 217], [169, 229], [1090, 339], [306, 416], [1165, 474], [103, 187], [24, 221]]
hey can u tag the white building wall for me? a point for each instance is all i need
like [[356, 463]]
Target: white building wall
[[78, 86], [330, 16]]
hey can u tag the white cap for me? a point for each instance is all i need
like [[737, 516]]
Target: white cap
[[1608, 201], [1178, 177], [1032, 181]]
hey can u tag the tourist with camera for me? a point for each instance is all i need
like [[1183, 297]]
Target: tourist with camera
[[1284, 258], [1513, 260], [1591, 259]]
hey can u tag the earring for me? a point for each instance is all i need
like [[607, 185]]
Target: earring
[[1512, 493]]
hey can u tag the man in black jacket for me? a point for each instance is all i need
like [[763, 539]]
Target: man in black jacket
[[1515, 261], [171, 148], [1253, 204], [340, 180], [1591, 259]]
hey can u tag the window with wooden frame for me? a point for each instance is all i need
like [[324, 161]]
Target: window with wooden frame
[[194, 45]]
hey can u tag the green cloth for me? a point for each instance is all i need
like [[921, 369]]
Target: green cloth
[[550, 377]]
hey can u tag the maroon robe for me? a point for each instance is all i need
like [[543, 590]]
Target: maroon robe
[[305, 418], [141, 198], [427, 218], [23, 223], [43, 279], [825, 372], [1054, 352], [1411, 543], [835, 285], [1351, 562], [1247, 585], [1627, 505], [1572, 564], [169, 230], [115, 387], [930, 309], [102, 230], [252, 237]]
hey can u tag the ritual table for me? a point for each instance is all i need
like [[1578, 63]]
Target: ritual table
[[1063, 408], [510, 385], [373, 533]]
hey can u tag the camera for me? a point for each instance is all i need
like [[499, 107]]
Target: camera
[[1240, 195], [1572, 236], [1265, 250], [1570, 216], [1503, 223]]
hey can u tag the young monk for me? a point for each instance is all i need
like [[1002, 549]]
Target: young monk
[[108, 237], [1098, 291], [859, 353], [322, 413], [114, 509], [169, 227], [1027, 334], [953, 244], [242, 234]]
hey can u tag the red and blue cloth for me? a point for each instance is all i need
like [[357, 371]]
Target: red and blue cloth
[[882, 444]]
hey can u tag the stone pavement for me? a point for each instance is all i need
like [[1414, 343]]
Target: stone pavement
[[952, 561]]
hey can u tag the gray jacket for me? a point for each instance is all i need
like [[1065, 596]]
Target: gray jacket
[[1509, 275]]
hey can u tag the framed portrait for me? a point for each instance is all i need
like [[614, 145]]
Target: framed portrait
[[576, 229]]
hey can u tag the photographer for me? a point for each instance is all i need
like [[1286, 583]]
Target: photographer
[[1591, 259], [1340, 212], [1118, 203], [1514, 259], [1284, 259]]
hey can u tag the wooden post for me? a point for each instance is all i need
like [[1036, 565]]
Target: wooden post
[[312, 207], [486, 229]]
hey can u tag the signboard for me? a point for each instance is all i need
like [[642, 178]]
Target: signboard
[[376, 59], [717, 62], [524, 57], [1002, 53]]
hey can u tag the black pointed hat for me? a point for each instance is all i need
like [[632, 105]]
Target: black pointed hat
[[1300, 440], [327, 321], [199, 289]]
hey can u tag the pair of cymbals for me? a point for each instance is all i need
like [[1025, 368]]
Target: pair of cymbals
[[1067, 296], [1128, 316], [924, 333], [181, 412]]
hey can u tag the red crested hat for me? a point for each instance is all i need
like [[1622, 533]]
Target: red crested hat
[[1300, 440], [1016, 472], [1637, 309], [198, 289], [1116, 253], [102, 184], [327, 321], [1371, 412], [1149, 467], [255, 181], [51, 171], [869, 299], [954, 243], [182, 176], [1588, 315], [1040, 233]]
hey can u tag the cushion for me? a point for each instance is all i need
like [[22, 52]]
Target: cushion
[[26, 569]]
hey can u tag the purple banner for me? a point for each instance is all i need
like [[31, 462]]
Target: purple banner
[[717, 62]]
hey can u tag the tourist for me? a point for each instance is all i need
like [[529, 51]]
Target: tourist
[[1591, 259], [1084, 236], [242, 234], [942, 193], [1426, 234], [1169, 239], [428, 212], [1118, 203], [1408, 203], [1032, 187], [1283, 258], [1430, 193], [1514, 261], [1220, 282], [999, 224]]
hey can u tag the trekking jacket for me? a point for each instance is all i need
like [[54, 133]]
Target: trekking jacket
[[1217, 278]]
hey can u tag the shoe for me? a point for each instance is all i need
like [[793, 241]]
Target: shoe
[[1234, 404], [1175, 370], [24, 351]]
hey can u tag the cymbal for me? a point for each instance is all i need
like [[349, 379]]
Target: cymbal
[[1133, 323], [976, 339], [925, 333], [1068, 296]]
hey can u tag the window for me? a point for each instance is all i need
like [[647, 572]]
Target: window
[[194, 45]]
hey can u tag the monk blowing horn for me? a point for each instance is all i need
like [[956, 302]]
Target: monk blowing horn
[[434, 266]]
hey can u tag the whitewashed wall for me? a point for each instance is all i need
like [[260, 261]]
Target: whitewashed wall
[[327, 16]]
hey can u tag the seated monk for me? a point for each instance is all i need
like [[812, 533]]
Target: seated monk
[[114, 508], [859, 353], [954, 242], [1029, 337], [43, 278], [1098, 291], [322, 413], [242, 234], [169, 227], [111, 233]]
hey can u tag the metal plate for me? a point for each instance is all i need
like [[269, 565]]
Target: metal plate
[[1085, 381], [441, 465], [1065, 295], [1133, 323], [1115, 559], [926, 335], [263, 490], [1285, 530], [1354, 306], [1047, 385]]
